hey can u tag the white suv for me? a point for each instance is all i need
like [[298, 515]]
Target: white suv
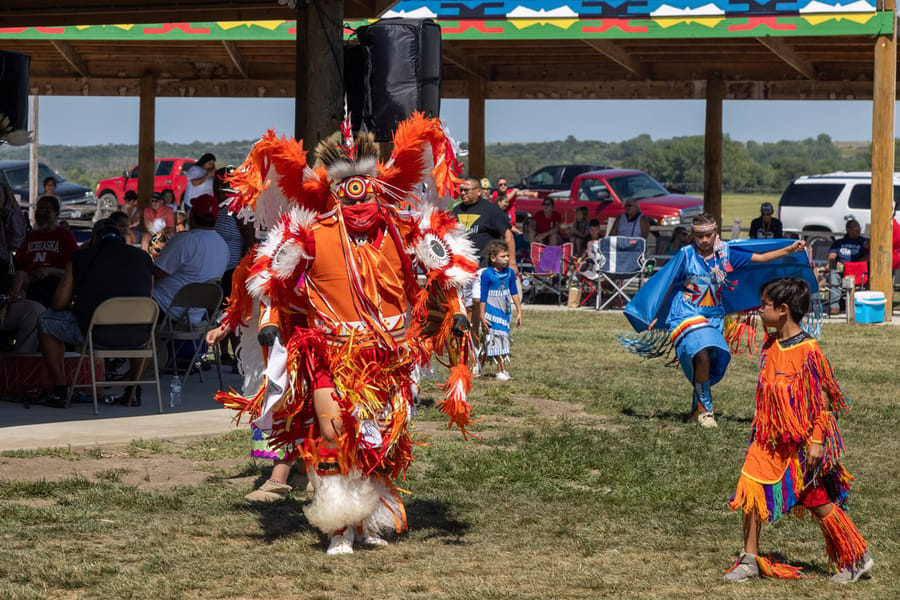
[[826, 202]]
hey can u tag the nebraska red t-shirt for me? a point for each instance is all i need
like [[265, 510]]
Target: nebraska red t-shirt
[[45, 249]]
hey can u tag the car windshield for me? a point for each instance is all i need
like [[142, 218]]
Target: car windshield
[[636, 187], [18, 177]]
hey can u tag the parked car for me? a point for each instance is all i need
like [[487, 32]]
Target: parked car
[[76, 201], [824, 203], [168, 173], [555, 178], [603, 193]]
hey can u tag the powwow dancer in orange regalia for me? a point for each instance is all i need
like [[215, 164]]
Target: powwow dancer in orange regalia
[[793, 461], [348, 316]]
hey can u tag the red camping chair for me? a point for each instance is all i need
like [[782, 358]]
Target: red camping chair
[[859, 271]]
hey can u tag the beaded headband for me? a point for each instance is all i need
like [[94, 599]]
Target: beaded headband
[[710, 228]]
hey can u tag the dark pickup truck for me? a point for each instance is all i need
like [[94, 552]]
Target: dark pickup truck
[[603, 192], [555, 178]]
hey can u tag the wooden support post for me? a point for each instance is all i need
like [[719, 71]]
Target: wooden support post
[[319, 87], [883, 96], [475, 162], [146, 139], [35, 189], [712, 164]]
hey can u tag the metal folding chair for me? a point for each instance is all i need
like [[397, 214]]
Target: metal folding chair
[[619, 262], [551, 265], [121, 312], [201, 300]]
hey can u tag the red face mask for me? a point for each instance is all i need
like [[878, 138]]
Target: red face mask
[[361, 218]]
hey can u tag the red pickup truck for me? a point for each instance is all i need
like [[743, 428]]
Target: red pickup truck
[[167, 173], [603, 193]]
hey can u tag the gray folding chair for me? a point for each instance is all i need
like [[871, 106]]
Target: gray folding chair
[[120, 312], [620, 262], [192, 313]]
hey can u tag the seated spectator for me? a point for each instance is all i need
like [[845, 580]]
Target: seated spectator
[[547, 223], [680, 238], [631, 223], [156, 244], [510, 194], [121, 220], [107, 268], [895, 243], [130, 208], [18, 317], [158, 218], [180, 221], [765, 226], [595, 232], [168, 198], [578, 231], [198, 255], [503, 204], [49, 186], [853, 247], [42, 259]]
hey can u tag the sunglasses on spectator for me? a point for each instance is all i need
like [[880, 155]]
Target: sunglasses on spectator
[[503, 184], [547, 204]]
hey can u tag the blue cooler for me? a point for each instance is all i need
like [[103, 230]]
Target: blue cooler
[[869, 307]]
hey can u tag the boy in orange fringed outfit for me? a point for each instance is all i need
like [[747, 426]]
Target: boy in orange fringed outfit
[[795, 447]]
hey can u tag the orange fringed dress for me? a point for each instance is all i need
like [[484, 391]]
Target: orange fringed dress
[[797, 399]]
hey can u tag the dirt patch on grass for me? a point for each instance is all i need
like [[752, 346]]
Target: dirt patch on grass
[[167, 469], [153, 472]]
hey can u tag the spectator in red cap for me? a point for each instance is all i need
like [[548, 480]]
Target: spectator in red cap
[[195, 256]]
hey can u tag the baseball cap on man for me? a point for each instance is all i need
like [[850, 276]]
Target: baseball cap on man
[[485, 184], [205, 208], [766, 208]]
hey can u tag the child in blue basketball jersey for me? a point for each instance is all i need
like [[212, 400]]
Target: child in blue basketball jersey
[[498, 292]]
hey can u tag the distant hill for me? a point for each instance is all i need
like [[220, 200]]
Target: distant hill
[[677, 162]]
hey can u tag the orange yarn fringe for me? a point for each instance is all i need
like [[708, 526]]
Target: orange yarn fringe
[[843, 541], [770, 568]]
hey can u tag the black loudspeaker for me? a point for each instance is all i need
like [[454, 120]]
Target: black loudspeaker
[[357, 75], [405, 60], [14, 68]]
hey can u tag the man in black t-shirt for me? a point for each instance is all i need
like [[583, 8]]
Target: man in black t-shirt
[[106, 269], [766, 226], [483, 222]]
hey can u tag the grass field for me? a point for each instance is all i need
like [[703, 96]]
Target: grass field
[[587, 483]]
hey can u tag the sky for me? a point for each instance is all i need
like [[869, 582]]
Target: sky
[[80, 121]]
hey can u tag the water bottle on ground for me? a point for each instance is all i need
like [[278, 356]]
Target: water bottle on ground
[[175, 392]]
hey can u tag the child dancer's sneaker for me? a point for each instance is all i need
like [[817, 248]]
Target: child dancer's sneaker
[[854, 572], [371, 540], [745, 568], [706, 419], [503, 376]]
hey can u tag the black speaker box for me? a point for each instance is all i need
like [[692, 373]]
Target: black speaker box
[[14, 68], [404, 56]]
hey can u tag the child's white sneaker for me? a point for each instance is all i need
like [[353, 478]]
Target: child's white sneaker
[[503, 376]]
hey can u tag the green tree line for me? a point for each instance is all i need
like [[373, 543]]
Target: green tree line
[[677, 162]]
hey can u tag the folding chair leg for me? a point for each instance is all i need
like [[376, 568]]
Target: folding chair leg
[[218, 358]]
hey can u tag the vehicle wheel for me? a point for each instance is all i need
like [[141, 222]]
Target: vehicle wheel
[[107, 204]]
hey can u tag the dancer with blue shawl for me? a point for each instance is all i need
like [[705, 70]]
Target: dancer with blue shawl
[[692, 294]]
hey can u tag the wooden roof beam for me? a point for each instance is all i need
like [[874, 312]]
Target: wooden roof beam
[[790, 56], [240, 63], [72, 57], [615, 53], [470, 66]]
